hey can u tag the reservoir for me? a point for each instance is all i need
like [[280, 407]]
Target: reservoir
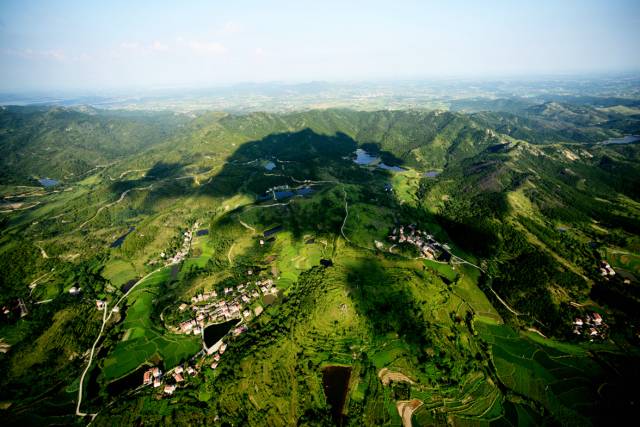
[[48, 182], [335, 380], [627, 139], [366, 159], [120, 240], [213, 333]]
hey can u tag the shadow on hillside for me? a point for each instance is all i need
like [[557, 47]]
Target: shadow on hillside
[[258, 165], [261, 164]]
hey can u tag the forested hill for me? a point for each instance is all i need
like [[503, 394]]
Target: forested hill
[[64, 144], [527, 209]]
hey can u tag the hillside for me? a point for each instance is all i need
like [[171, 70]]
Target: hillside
[[434, 277]]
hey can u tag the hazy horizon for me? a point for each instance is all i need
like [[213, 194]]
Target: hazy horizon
[[76, 46]]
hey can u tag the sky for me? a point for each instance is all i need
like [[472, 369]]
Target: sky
[[103, 45]]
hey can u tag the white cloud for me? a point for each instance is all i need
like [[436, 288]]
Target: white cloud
[[130, 45], [231, 27], [159, 47], [207, 48], [260, 52], [55, 54]]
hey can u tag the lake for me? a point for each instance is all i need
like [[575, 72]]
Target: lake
[[335, 381], [627, 139], [213, 333], [120, 240], [48, 182], [285, 194], [127, 382], [366, 159]]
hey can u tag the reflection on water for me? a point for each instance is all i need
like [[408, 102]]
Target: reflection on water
[[366, 159]]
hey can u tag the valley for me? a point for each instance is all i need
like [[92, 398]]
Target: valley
[[321, 267]]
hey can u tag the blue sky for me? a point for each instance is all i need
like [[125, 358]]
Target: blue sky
[[144, 44]]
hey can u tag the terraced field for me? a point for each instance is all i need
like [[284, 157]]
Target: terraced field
[[143, 340]]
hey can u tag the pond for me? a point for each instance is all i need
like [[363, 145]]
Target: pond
[[627, 139], [335, 381], [48, 182], [126, 286], [203, 232], [431, 174], [120, 240], [269, 165], [269, 298], [285, 194], [127, 382], [213, 333], [366, 159]]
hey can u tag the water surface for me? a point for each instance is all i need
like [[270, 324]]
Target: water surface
[[213, 333], [627, 139], [48, 182]]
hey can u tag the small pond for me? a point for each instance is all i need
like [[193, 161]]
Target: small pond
[[335, 380], [213, 333], [202, 232], [627, 139], [127, 382], [366, 159], [126, 286], [120, 240], [48, 182], [431, 174], [269, 165]]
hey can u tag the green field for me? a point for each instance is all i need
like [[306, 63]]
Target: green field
[[143, 340]]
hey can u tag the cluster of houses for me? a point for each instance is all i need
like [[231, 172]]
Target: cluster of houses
[[18, 308], [182, 253], [172, 379], [591, 326], [217, 354], [606, 270], [424, 242], [234, 305]]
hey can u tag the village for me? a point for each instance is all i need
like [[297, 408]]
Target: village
[[592, 327], [234, 303], [427, 245], [208, 309]]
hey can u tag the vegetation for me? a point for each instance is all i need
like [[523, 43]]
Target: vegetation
[[528, 210]]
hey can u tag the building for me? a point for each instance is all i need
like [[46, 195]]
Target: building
[[148, 377], [178, 377], [100, 304], [156, 383], [578, 322], [597, 319], [169, 389]]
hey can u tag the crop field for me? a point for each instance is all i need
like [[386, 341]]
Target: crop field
[[543, 372], [118, 272], [367, 223], [145, 341], [625, 261]]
